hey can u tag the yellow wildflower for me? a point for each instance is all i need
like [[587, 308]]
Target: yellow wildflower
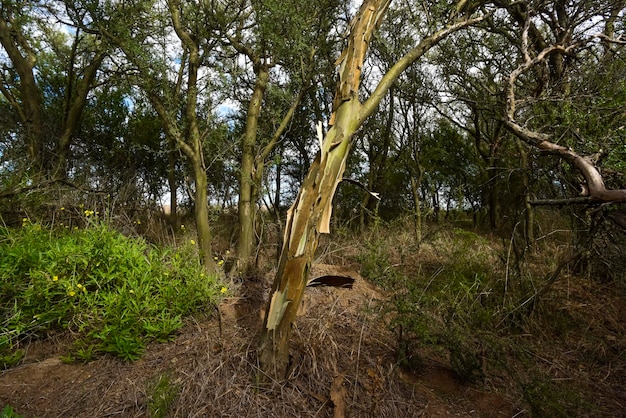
[[223, 290], [71, 293], [192, 242], [55, 278], [227, 252], [80, 286], [215, 258], [62, 208], [221, 262]]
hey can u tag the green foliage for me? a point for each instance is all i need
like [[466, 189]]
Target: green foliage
[[162, 394], [9, 412], [553, 399], [117, 293]]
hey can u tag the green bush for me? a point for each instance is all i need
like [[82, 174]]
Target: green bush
[[116, 293]]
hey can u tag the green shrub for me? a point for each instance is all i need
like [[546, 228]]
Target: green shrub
[[116, 293]]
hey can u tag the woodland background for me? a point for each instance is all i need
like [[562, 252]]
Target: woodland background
[[481, 202]]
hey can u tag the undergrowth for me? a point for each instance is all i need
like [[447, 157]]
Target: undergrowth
[[447, 305], [453, 300], [113, 292]]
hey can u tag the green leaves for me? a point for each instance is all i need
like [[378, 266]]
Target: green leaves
[[117, 293]]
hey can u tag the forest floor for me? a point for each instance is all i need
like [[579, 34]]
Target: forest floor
[[340, 350], [344, 363]]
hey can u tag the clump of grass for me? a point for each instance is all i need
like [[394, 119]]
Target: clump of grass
[[9, 412], [115, 293], [161, 396]]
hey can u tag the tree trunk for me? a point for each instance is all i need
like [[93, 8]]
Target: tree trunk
[[31, 110], [529, 214], [172, 182], [378, 167], [74, 111], [415, 184], [248, 187], [309, 216], [193, 150], [202, 217]]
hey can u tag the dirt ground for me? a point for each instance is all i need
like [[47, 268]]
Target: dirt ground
[[344, 364]]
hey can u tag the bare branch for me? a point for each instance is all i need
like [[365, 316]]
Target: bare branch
[[605, 38], [595, 190]]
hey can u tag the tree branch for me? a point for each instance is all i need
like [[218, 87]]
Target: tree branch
[[595, 189], [409, 58]]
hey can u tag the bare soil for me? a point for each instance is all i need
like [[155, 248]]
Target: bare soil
[[340, 350]]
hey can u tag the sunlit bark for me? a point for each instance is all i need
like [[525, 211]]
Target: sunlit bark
[[309, 216]]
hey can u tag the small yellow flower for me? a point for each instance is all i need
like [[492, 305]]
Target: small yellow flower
[[220, 263], [71, 293], [131, 291], [55, 278], [215, 258], [138, 222], [89, 213], [80, 286], [62, 208], [227, 252], [182, 226], [192, 242], [223, 290], [24, 220]]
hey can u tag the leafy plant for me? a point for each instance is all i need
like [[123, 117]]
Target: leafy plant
[[9, 412], [117, 293]]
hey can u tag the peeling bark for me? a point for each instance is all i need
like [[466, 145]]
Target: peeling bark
[[309, 216]]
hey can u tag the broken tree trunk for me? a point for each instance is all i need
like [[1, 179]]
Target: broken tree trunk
[[309, 216]]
